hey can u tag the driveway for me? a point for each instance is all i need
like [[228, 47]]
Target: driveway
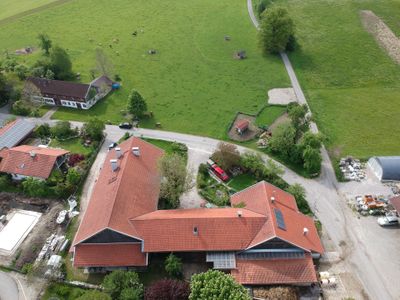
[[8, 287]]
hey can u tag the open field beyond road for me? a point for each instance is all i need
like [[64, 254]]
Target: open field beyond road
[[352, 85], [193, 84], [10, 8]]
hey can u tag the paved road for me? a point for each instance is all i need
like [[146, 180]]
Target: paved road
[[8, 287], [376, 266]]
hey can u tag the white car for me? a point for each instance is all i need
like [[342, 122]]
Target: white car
[[388, 221]]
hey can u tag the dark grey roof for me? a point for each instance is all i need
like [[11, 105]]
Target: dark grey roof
[[13, 133], [390, 167]]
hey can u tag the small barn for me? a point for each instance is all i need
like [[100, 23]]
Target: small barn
[[14, 132], [385, 168], [242, 126]]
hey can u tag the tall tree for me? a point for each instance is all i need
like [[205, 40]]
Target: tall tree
[[176, 178], [5, 90], [226, 156], [276, 30], [94, 129], [61, 64], [123, 285], [136, 104], [283, 139], [216, 285], [44, 43], [312, 160]]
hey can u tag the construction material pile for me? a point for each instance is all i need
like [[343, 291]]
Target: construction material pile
[[373, 205], [352, 169]]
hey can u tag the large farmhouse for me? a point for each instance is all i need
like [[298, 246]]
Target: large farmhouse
[[267, 241], [66, 93]]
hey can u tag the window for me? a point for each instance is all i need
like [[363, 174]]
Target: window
[[279, 219]]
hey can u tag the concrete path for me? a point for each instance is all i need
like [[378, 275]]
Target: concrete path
[[47, 116]]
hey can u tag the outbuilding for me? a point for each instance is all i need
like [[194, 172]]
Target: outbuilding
[[386, 168], [242, 126]]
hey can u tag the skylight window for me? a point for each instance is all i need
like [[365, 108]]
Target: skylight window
[[279, 219]]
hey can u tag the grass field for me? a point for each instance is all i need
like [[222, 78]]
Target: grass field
[[352, 85], [9, 8], [269, 114], [72, 145], [193, 84], [242, 181]]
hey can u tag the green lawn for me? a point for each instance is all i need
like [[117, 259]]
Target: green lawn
[[9, 8], [192, 84], [242, 181], [62, 291], [352, 85], [269, 114], [72, 145]]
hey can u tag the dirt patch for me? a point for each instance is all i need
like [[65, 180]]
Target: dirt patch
[[281, 96], [249, 134], [382, 34], [30, 247], [282, 119]]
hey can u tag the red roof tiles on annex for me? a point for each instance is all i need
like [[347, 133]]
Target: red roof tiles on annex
[[275, 271], [109, 255], [30, 160]]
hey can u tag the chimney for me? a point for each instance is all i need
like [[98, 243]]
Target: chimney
[[305, 230], [273, 199], [118, 152], [239, 213], [114, 164], [136, 151], [32, 154], [195, 230]]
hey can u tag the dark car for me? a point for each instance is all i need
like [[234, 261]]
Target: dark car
[[112, 145], [125, 125]]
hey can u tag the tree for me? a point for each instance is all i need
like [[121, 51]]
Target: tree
[[299, 193], [136, 104], [297, 115], [283, 139], [173, 266], [21, 108], [44, 43], [5, 89], [168, 289], [276, 30], [253, 163], [216, 285], [43, 131], [123, 285], [62, 130], [94, 129], [312, 160], [30, 91], [73, 177], [34, 187], [226, 156], [103, 64], [94, 295], [176, 178], [21, 71], [312, 140], [60, 63]]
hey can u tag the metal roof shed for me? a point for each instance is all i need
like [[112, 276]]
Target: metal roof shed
[[386, 168], [14, 133]]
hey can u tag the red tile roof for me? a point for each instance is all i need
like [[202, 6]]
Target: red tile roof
[[219, 229], [258, 199], [30, 160], [130, 191], [242, 124], [96, 255], [275, 271]]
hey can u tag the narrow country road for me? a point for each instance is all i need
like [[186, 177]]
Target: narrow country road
[[354, 241]]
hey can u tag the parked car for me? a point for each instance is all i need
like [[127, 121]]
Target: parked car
[[125, 125], [388, 221], [112, 145]]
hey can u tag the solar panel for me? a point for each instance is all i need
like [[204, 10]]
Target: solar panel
[[279, 219], [16, 133]]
